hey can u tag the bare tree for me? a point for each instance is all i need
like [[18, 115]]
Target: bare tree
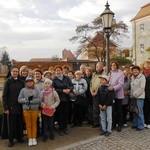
[[86, 33]]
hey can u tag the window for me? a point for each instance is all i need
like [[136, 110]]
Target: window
[[141, 27], [141, 48]]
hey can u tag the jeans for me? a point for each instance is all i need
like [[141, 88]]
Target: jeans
[[106, 119], [138, 120]]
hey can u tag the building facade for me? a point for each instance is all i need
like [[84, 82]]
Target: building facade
[[141, 35]]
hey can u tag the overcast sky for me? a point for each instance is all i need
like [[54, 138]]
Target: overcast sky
[[42, 28]]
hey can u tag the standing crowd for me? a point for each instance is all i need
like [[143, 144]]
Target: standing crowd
[[35, 101]]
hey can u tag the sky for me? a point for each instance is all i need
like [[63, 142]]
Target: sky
[[42, 28]]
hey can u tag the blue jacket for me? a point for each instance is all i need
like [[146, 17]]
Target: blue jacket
[[105, 96]]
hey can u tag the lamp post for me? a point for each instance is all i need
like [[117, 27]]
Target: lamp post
[[107, 18]]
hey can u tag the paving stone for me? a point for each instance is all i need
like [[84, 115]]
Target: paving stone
[[127, 139]]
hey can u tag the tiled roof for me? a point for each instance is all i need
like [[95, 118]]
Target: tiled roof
[[145, 11], [69, 55], [41, 60]]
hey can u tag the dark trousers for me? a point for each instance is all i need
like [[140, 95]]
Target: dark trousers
[[124, 110], [15, 126], [147, 110], [96, 111], [48, 126], [70, 111], [78, 114], [62, 112], [90, 113], [117, 114], [1, 118]]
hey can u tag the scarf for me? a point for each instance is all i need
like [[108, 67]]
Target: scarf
[[146, 72], [47, 91]]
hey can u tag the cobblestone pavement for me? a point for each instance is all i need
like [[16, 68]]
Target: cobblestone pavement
[[127, 139], [87, 138]]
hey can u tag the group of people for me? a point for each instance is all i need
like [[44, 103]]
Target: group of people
[[34, 100]]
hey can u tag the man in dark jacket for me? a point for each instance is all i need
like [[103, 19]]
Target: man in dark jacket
[[12, 108]]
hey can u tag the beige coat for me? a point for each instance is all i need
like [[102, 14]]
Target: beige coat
[[95, 82], [51, 99]]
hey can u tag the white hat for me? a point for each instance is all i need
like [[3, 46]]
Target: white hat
[[47, 72], [48, 81], [105, 77]]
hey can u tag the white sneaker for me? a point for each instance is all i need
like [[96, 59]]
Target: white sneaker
[[125, 125], [145, 125], [30, 143], [148, 126], [34, 142]]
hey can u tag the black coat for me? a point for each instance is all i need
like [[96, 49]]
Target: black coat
[[60, 85], [147, 87], [89, 96], [10, 95]]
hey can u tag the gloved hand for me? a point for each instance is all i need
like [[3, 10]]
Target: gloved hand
[[30, 98], [27, 102]]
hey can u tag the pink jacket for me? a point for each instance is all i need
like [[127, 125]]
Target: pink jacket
[[117, 81]]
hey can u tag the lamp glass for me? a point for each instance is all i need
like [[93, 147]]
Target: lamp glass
[[107, 20]]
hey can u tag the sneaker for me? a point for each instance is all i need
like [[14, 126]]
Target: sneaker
[[102, 132], [107, 133], [148, 126], [138, 129], [34, 142], [125, 125], [30, 142], [145, 125]]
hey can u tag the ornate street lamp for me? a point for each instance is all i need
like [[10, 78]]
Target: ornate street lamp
[[107, 19]]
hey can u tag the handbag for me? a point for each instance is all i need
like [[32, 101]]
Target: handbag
[[72, 96], [48, 111], [133, 107]]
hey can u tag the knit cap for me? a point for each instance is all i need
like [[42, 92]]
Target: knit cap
[[48, 81]]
